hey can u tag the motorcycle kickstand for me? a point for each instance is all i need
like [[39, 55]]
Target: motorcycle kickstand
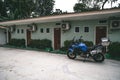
[[86, 57]]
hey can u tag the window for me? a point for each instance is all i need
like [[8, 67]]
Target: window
[[18, 31], [86, 29], [22, 31], [77, 29], [47, 30], [58, 23], [102, 21], [41, 30]]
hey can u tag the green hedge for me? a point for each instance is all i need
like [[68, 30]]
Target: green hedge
[[67, 44], [114, 50], [40, 44], [88, 43], [17, 42]]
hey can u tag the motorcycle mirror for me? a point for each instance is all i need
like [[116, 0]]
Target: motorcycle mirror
[[81, 37], [73, 38]]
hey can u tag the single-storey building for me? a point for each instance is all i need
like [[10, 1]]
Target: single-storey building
[[92, 25], [3, 36]]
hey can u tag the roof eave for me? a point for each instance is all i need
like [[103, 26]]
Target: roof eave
[[76, 16]]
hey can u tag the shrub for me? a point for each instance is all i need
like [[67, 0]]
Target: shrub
[[67, 44], [46, 43], [88, 43], [17, 42], [34, 43], [114, 49], [40, 44], [63, 49]]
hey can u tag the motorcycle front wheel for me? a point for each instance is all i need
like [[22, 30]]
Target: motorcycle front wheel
[[71, 55], [98, 57]]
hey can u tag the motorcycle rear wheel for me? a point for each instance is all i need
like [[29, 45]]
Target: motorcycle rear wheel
[[99, 57], [71, 55]]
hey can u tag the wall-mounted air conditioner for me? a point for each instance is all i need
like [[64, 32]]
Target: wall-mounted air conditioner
[[66, 26], [115, 24], [32, 27]]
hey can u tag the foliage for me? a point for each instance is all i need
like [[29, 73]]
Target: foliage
[[3, 13], [119, 5], [114, 49], [91, 3], [18, 9], [21, 9], [34, 43], [43, 7], [40, 44], [17, 42], [2, 9], [88, 43], [67, 44], [79, 7], [97, 3]]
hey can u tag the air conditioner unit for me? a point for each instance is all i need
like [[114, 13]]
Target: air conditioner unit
[[65, 26], [115, 24], [12, 29], [32, 27]]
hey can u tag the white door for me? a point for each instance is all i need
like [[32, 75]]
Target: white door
[[2, 37]]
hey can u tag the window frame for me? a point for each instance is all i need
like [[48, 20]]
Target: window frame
[[47, 30], [41, 30], [77, 29], [18, 31], [86, 29], [22, 31]]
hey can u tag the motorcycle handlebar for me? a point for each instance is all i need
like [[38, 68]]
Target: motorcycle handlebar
[[80, 38]]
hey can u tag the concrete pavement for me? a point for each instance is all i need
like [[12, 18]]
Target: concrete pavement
[[17, 64]]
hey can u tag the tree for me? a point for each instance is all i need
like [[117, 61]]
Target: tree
[[109, 1], [99, 3], [19, 9], [3, 13], [90, 3], [79, 7], [2, 9], [44, 7], [118, 5]]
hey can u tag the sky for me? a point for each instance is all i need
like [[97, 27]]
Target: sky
[[67, 5]]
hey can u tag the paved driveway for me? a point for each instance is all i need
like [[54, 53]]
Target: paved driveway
[[16, 64]]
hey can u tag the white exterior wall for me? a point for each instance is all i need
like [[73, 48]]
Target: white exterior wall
[[44, 35], [68, 35], [3, 38], [88, 36], [114, 35], [19, 35]]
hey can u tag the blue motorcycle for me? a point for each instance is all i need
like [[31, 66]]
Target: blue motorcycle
[[79, 48]]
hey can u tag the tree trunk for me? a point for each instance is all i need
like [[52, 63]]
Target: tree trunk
[[104, 4]]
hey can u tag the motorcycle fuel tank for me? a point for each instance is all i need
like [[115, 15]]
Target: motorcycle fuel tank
[[83, 47]]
